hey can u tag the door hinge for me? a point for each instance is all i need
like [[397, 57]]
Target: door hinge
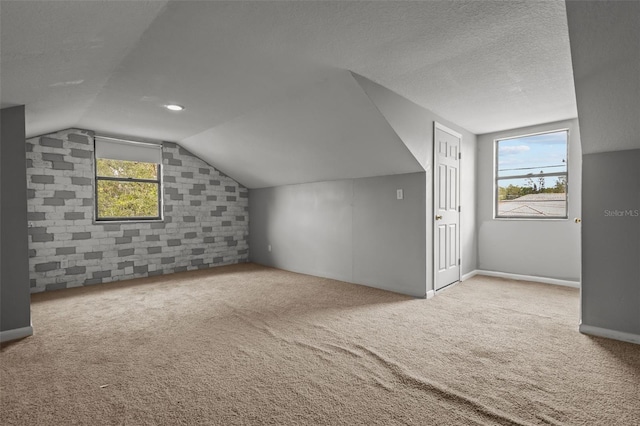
[[459, 156], [459, 262], [459, 209]]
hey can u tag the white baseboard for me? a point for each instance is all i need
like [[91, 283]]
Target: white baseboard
[[16, 333], [609, 334], [430, 294], [469, 275], [554, 281]]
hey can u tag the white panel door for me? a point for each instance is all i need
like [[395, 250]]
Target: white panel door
[[446, 206]]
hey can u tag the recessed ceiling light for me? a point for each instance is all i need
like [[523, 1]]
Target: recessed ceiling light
[[174, 107]]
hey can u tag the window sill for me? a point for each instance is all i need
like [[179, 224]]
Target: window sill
[[546, 219], [118, 221]]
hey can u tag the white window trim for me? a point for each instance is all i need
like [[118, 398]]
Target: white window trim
[[142, 151], [496, 179]]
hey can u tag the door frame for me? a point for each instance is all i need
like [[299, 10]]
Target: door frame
[[445, 129]]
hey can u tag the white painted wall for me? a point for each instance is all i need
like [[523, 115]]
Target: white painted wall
[[353, 230], [547, 248]]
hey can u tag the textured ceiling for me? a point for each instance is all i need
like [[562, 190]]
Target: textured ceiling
[[110, 66], [57, 56]]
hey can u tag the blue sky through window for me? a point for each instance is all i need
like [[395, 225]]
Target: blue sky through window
[[543, 153]]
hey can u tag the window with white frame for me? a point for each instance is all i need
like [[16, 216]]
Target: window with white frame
[[531, 176], [127, 180]]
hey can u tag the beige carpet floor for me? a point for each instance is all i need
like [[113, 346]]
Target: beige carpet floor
[[246, 344]]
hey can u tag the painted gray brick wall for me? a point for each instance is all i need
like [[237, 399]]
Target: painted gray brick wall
[[205, 218]]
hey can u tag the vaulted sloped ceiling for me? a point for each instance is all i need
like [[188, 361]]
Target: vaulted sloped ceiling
[[332, 126], [57, 56], [253, 75]]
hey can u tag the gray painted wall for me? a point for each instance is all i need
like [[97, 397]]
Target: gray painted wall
[[205, 218], [348, 229], [543, 248], [353, 230], [15, 310], [605, 51], [414, 125], [611, 241]]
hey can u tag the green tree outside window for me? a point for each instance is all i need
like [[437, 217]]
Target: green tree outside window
[[127, 189]]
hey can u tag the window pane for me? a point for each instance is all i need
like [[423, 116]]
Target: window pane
[[127, 199], [532, 197], [544, 153], [126, 169]]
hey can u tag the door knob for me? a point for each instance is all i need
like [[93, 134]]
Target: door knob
[[438, 217]]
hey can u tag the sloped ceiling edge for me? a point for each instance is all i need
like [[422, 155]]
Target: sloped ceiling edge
[[327, 131]]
